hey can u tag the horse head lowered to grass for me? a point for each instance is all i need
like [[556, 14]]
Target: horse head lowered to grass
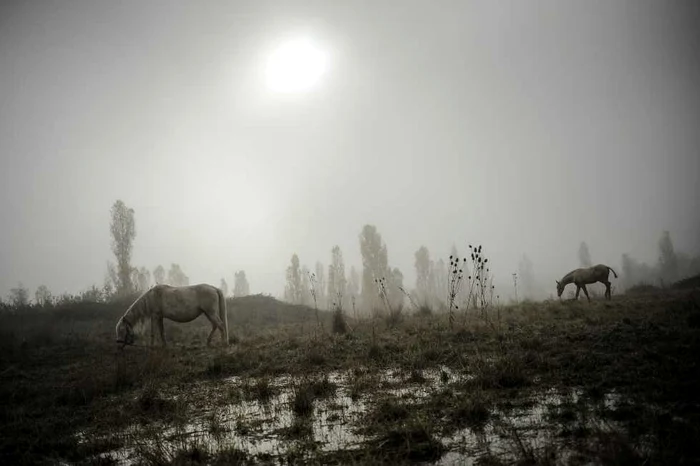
[[179, 304], [586, 276]]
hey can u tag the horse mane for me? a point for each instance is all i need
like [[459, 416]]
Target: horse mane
[[138, 309]]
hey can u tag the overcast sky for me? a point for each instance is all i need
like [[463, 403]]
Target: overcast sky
[[527, 127]]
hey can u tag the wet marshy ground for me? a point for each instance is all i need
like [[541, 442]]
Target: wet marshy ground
[[420, 415], [539, 383]]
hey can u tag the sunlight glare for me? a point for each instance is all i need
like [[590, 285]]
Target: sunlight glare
[[295, 66]]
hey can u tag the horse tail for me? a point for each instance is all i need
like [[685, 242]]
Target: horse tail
[[612, 271], [223, 315]]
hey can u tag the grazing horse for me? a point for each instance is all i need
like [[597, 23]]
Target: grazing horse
[[179, 304], [583, 277]]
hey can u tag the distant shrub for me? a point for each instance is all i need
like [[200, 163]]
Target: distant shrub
[[641, 288], [394, 317], [687, 283], [303, 400], [339, 324]]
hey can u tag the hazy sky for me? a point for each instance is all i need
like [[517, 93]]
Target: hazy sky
[[524, 126]]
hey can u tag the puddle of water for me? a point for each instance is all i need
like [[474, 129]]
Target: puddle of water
[[416, 386], [270, 428], [529, 426]]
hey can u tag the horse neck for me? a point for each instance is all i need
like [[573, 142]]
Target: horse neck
[[138, 310], [568, 278]]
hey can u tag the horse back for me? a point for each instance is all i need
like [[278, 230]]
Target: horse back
[[185, 303]]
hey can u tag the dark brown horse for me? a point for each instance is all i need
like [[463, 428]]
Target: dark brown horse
[[583, 277]]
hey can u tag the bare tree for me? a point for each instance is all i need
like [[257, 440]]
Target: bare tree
[[353, 288], [159, 275], [374, 265], [337, 283], [584, 257], [92, 295], [142, 279], [395, 295], [320, 285], [422, 265], [19, 296], [354, 282], [108, 288], [306, 296], [293, 289], [112, 277], [176, 277], [668, 261], [240, 285], [526, 277], [42, 296], [123, 230], [439, 280]]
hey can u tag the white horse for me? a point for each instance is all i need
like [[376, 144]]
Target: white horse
[[586, 276], [179, 304]]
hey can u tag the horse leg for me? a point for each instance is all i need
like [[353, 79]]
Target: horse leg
[[153, 325], [161, 330], [586, 291], [216, 324], [607, 290], [578, 290], [211, 334]]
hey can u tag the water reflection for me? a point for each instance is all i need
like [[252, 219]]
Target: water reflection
[[267, 426]]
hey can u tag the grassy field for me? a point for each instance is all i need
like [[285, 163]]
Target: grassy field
[[539, 383]]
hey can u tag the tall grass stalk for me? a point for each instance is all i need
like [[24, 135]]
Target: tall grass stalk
[[312, 288], [454, 283]]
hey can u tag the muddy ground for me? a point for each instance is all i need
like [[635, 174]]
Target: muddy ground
[[538, 383]]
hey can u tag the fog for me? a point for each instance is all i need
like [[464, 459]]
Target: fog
[[527, 127]]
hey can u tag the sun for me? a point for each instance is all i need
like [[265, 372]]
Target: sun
[[295, 66]]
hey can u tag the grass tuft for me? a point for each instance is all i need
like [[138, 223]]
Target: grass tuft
[[323, 388], [412, 442], [150, 401], [303, 400], [261, 390], [387, 411], [339, 325], [471, 411], [374, 352]]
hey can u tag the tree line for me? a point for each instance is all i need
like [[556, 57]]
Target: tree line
[[379, 280], [122, 279], [376, 286]]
